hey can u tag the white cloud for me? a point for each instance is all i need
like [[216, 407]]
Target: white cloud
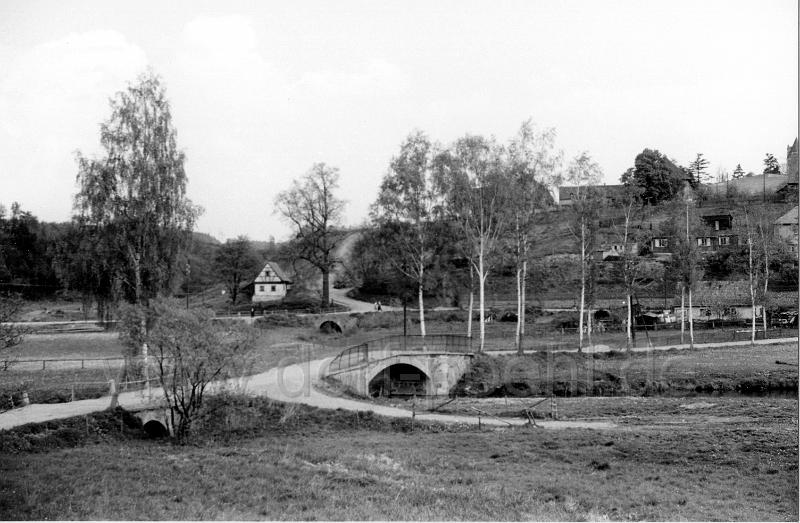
[[55, 95]]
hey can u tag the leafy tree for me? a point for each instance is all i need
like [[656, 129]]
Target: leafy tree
[[698, 169], [133, 198], [476, 195], [191, 352], [658, 177], [27, 250], [10, 334], [314, 211], [771, 165], [738, 172], [85, 262], [407, 196], [585, 173], [236, 261], [532, 165]]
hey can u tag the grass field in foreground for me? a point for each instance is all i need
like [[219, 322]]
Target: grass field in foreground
[[289, 462]]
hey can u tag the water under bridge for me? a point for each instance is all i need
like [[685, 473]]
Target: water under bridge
[[403, 365]]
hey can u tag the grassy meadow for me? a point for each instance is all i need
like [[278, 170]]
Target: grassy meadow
[[273, 461]]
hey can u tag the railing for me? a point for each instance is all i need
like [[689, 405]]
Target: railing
[[376, 349]]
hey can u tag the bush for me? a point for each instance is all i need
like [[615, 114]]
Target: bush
[[278, 320]]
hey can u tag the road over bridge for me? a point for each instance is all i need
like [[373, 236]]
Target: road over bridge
[[403, 365]]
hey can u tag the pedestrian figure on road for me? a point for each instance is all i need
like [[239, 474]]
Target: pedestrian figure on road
[[252, 311], [379, 307]]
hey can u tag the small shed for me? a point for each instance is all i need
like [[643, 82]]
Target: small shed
[[271, 283]]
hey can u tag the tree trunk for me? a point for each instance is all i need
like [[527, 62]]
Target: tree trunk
[[523, 314], [481, 297], [471, 299], [683, 314], [691, 322], [326, 278], [421, 306], [583, 287], [517, 338], [628, 328]]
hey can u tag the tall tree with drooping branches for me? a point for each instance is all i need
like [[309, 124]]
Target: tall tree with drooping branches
[[133, 197]]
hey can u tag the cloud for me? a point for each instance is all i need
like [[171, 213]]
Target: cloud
[[52, 99]]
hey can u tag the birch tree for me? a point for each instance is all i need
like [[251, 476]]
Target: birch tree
[[134, 196], [584, 173], [407, 195], [628, 236], [470, 177], [533, 166]]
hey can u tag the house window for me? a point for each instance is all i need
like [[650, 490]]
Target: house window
[[704, 242], [661, 242], [260, 288], [272, 288], [724, 240]]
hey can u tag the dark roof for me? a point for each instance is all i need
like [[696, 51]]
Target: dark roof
[[279, 272], [727, 293]]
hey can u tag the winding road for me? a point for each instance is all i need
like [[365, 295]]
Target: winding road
[[292, 384]]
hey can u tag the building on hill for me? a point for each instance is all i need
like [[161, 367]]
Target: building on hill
[[270, 284], [786, 228], [614, 251], [610, 193], [717, 235]]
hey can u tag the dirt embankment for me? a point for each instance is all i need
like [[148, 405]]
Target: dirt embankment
[[743, 370]]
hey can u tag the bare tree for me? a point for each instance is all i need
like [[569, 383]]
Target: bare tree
[[314, 211], [191, 353], [630, 266]]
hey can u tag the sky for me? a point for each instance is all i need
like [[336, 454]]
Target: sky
[[260, 91]]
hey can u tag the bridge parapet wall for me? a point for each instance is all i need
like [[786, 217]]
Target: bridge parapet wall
[[442, 371]]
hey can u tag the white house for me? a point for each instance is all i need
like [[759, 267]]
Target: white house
[[270, 284]]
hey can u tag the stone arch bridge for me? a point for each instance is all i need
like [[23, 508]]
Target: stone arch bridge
[[403, 365]]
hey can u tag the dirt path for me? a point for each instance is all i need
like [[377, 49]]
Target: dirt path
[[339, 296], [293, 384]]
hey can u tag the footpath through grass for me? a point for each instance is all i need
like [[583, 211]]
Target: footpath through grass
[[272, 461]]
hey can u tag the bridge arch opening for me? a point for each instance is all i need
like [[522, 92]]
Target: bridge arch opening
[[155, 429], [330, 327], [400, 379]]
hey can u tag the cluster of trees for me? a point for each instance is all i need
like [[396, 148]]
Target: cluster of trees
[[29, 251], [448, 216]]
